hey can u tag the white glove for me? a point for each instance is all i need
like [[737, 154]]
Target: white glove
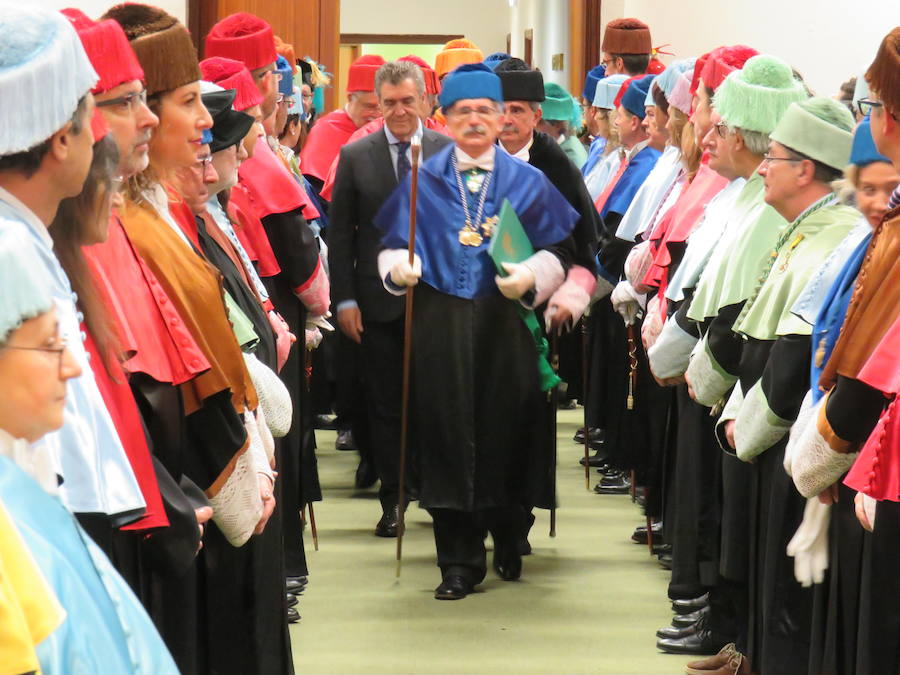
[[519, 280], [627, 302], [404, 274], [865, 510], [809, 545], [313, 338]]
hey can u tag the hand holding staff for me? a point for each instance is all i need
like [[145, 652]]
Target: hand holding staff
[[415, 148]]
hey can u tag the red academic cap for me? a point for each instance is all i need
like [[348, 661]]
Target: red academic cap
[[243, 37], [231, 74], [723, 61], [432, 86], [108, 49], [362, 73]]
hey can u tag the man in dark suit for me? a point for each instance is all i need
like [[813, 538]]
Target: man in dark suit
[[368, 171]]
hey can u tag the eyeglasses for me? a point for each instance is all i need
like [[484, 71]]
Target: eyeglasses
[[279, 98], [480, 111], [866, 105], [130, 101], [768, 158], [721, 129], [59, 349]]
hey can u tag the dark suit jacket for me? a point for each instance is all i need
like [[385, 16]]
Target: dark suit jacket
[[365, 178]]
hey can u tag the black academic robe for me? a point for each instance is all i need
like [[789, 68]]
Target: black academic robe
[[546, 155], [780, 609]]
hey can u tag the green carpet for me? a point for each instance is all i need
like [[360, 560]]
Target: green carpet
[[589, 601]]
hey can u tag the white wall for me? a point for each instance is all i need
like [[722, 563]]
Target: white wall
[[550, 21], [484, 22], [828, 41], [94, 8]]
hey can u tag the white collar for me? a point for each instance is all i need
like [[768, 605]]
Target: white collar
[[635, 149], [524, 153], [391, 139], [485, 162], [28, 216]]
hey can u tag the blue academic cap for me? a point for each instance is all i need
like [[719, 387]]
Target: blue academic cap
[[635, 95], [864, 151], [492, 60], [470, 80], [594, 75], [286, 83]]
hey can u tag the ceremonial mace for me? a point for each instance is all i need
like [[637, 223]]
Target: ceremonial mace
[[584, 399], [415, 148]]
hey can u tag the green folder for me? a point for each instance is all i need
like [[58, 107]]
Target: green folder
[[509, 243]]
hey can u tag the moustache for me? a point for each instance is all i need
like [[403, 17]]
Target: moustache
[[145, 138], [477, 130]]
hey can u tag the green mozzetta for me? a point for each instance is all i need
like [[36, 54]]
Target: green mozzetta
[[732, 273], [768, 315], [574, 150]]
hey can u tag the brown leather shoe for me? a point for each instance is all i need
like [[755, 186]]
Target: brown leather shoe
[[713, 662]]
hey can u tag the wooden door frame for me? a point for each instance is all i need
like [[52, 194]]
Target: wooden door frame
[[397, 39], [585, 38]]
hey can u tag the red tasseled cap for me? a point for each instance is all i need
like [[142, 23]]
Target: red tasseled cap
[[362, 73], [432, 86], [242, 37], [722, 61], [698, 68], [231, 74], [655, 67], [107, 47], [623, 88]]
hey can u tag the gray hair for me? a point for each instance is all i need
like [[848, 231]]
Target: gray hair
[[756, 142], [394, 72]]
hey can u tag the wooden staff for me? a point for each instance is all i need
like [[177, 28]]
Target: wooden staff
[[307, 373], [415, 148], [584, 401], [553, 398]]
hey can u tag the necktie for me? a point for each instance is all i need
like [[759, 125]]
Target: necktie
[[610, 186], [403, 165]]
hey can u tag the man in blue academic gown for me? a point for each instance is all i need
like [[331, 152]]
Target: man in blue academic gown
[[610, 373], [477, 394]]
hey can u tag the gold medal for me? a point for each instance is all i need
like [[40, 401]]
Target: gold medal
[[488, 226], [469, 236]]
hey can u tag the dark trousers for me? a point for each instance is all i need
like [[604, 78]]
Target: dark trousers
[[382, 351], [459, 538]]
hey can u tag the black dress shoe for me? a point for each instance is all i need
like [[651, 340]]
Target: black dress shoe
[[703, 642], [595, 435], [453, 587], [295, 584], [387, 526], [324, 421], [661, 548], [639, 536], [507, 562], [673, 633], [692, 605], [665, 561], [291, 599], [293, 616], [598, 459], [613, 484], [682, 620], [365, 475], [344, 440]]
